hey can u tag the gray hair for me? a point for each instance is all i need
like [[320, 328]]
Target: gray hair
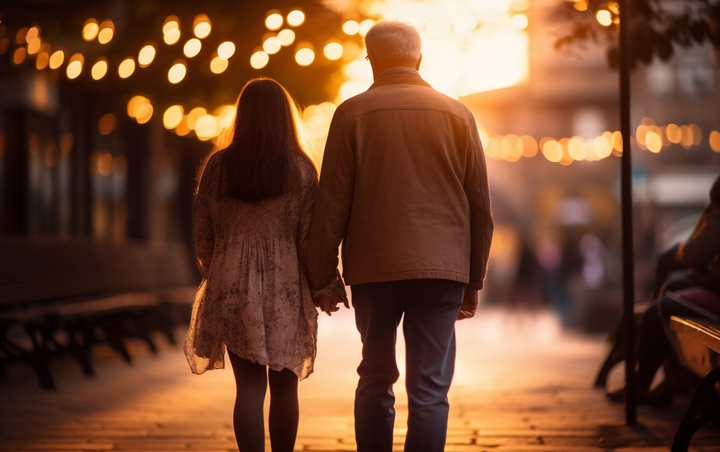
[[393, 40]]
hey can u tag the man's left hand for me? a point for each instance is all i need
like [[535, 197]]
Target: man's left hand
[[469, 304]]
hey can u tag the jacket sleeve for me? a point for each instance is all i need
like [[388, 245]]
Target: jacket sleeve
[[704, 244], [306, 213], [333, 204], [478, 195], [202, 225]]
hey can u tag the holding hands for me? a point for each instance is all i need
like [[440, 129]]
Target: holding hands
[[329, 298], [469, 304]]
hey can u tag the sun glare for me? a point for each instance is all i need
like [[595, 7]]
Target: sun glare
[[468, 46]]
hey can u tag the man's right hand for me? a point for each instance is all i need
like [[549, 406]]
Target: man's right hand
[[469, 304]]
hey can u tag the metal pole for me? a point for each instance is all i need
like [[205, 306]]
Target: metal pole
[[627, 223]]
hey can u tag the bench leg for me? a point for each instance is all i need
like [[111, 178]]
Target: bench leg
[[80, 350], [615, 356], [13, 352], [703, 409]]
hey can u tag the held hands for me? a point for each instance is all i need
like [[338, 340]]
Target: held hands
[[328, 301], [469, 304]]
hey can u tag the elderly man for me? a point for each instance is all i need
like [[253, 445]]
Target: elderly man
[[404, 187]]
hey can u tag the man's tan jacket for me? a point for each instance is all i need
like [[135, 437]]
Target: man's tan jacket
[[404, 186]]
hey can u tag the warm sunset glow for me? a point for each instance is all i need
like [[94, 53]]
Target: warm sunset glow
[[226, 50], [461, 39], [177, 72], [146, 55], [259, 59], [99, 69], [274, 21], [295, 18], [56, 59]]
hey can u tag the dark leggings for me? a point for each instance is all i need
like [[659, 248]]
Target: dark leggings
[[251, 380]]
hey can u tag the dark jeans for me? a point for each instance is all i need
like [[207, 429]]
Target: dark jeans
[[430, 307]]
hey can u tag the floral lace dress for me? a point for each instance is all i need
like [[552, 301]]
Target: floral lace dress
[[254, 298]]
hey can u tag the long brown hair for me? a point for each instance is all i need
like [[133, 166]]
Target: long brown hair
[[257, 163]]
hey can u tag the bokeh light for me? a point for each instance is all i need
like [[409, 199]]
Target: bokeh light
[[259, 59], [714, 140], [56, 59], [272, 45], [106, 125], [19, 55], [177, 72], [195, 114], [581, 5], [140, 108], [333, 51], [75, 66], [202, 26], [604, 17], [226, 50], [169, 23], [90, 29], [218, 65], [126, 68], [653, 142], [552, 150], [171, 36], [304, 56], [32, 34], [107, 30], [365, 26], [286, 37], [274, 21], [173, 116], [520, 21], [351, 27], [206, 127], [295, 18], [99, 69], [192, 47], [42, 60], [146, 55]]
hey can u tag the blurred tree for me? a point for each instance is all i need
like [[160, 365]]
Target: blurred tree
[[657, 27]]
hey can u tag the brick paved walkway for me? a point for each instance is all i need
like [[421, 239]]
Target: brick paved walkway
[[521, 385]]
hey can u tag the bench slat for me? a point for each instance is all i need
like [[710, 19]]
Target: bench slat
[[695, 330]]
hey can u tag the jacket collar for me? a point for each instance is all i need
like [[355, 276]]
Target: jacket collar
[[398, 76]]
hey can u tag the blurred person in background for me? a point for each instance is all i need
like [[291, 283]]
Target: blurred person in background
[[251, 222], [404, 187], [687, 285]]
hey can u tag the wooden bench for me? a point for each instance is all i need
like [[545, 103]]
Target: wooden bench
[[66, 295], [699, 349]]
